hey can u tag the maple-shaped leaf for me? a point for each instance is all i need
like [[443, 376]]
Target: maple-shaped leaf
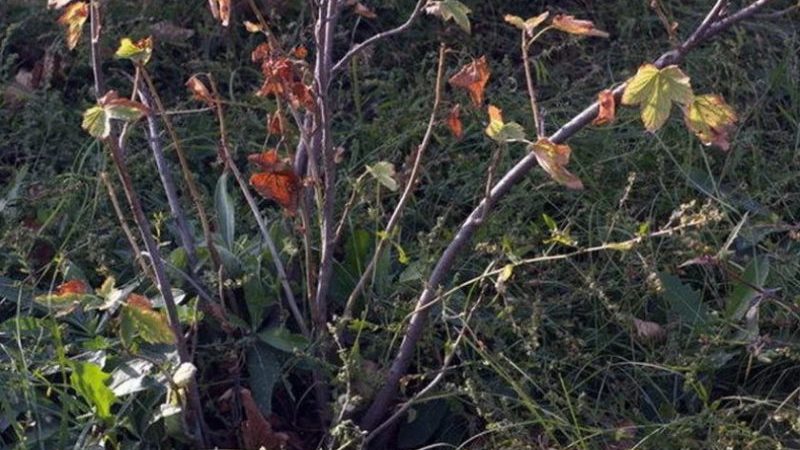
[[554, 158], [527, 25], [711, 119], [97, 119], [139, 317], [454, 122], [199, 90], [500, 131], [451, 9], [73, 19], [654, 90], [571, 25], [277, 181], [606, 108], [473, 77], [139, 52]]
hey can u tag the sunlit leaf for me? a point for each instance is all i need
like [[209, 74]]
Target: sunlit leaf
[[139, 52], [91, 383], [569, 24], [554, 158], [654, 90], [224, 12], [253, 27], [96, 122], [199, 90], [500, 131], [454, 122], [73, 19], [151, 325], [277, 181], [607, 106], [184, 374], [384, 173], [57, 4], [711, 119], [451, 9], [527, 25], [121, 108], [67, 296], [473, 77]]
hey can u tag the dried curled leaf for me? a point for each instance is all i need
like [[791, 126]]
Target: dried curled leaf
[[607, 107], [73, 19], [554, 158], [654, 90], [500, 131], [224, 12], [454, 122], [277, 181], [569, 24], [277, 124], [199, 90], [364, 11], [528, 25], [711, 119], [473, 77], [253, 27], [139, 317], [139, 52]]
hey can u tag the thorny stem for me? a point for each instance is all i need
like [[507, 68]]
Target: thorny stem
[[385, 396], [230, 164], [409, 189]]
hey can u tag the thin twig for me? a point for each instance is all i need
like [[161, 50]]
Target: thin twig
[[385, 396], [538, 123], [410, 184], [137, 253]]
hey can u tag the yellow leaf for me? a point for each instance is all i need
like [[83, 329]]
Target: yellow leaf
[[473, 77], [73, 18], [500, 131], [711, 119], [569, 24], [654, 90], [199, 90], [364, 11], [553, 158], [253, 27], [139, 52], [527, 25]]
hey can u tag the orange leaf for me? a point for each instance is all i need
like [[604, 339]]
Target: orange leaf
[[606, 110], [454, 122], [199, 90], [73, 18], [300, 52], [553, 158], [260, 53], [277, 124], [473, 77], [139, 302], [213, 5], [569, 24], [72, 287], [256, 430], [225, 12], [277, 182]]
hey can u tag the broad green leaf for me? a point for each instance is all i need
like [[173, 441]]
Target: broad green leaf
[[711, 119], [264, 367], [654, 90], [384, 173], [454, 9], [151, 325], [97, 119], [90, 382], [683, 301], [139, 52], [753, 278], [96, 122], [283, 339], [500, 131], [226, 211]]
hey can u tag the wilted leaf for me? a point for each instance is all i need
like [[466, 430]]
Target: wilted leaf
[[554, 158], [256, 430], [473, 77], [277, 124], [97, 119], [501, 131], [649, 330], [151, 325], [711, 119], [384, 172], [454, 122], [139, 52], [451, 9], [569, 24], [90, 382], [96, 122], [224, 12], [199, 90], [253, 27], [300, 52], [73, 18], [364, 11], [606, 112], [67, 296], [527, 25], [654, 90], [277, 182]]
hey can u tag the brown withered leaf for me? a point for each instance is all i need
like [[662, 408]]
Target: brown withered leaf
[[554, 158], [473, 77], [569, 24], [225, 12], [277, 180], [649, 330], [257, 432], [454, 122], [73, 19], [364, 11], [607, 109], [199, 90], [277, 124], [300, 52]]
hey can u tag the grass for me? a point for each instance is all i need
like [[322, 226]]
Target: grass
[[552, 358]]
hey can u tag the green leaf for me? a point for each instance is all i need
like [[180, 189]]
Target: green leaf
[[753, 278], [500, 131], [550, 222], [384, 173], [96, 122], [151, 325], [683, 301], [90, 382], [528, 25], [654, 90], [264, 367], [226, 211], [454, 9], [138, 52], [711, 120], [282, 339]]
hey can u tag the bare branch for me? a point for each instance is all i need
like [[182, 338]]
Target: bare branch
[[385, 396]]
